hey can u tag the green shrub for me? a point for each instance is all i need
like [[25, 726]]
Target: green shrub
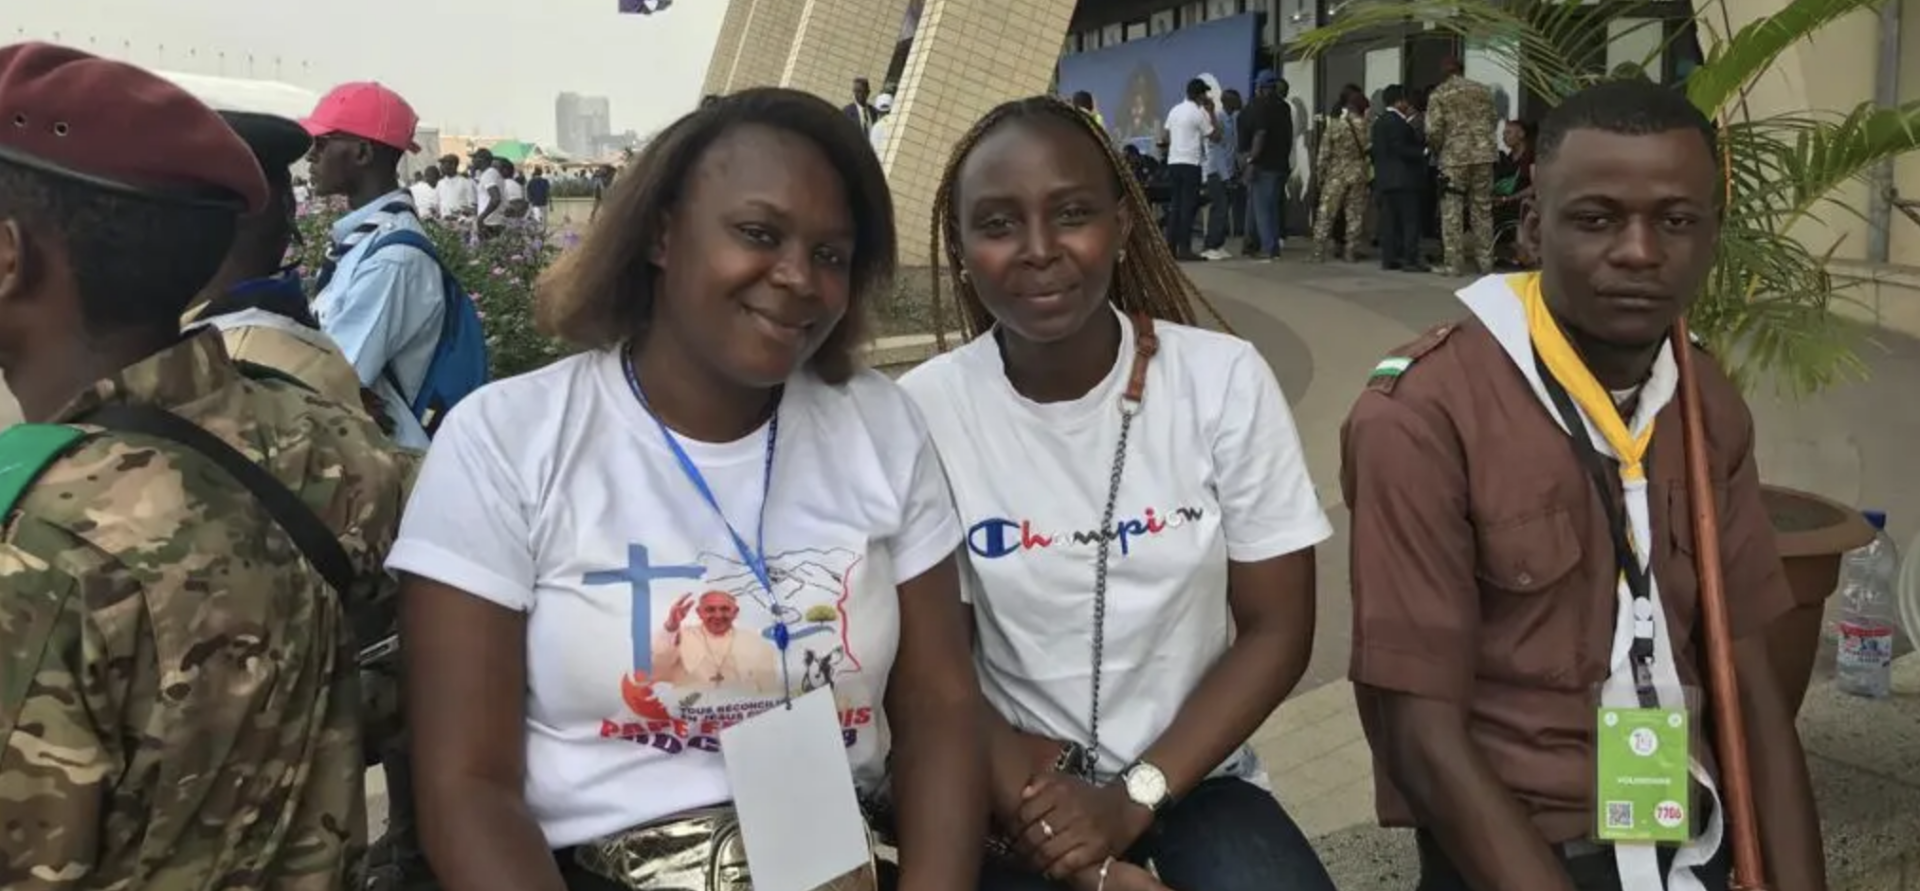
[[574, 187]]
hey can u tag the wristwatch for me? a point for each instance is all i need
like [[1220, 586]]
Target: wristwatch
[[1146, 786]]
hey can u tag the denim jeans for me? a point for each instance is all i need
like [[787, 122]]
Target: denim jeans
[[1184, 182], [1237, 205], [1220, 211], [1225, 835], [1269, 190]]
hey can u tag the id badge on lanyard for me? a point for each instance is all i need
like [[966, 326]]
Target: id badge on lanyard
[[1642, 784], [1642, 755]]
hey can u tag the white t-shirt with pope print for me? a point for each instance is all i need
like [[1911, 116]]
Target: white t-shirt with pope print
[[555, 494]]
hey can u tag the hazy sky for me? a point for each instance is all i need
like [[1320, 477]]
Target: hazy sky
[[486, 66]]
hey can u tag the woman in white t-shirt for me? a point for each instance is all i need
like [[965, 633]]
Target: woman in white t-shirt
[[1139, 528], [707, 513]]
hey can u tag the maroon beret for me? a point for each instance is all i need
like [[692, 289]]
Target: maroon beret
[[119, 127]]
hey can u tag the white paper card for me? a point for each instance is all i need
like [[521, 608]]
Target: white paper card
[[793, 789]]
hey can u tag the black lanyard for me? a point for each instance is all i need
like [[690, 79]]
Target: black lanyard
[[1639, 584]]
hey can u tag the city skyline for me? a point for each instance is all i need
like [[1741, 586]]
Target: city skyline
[[495, 70], [582, 124]]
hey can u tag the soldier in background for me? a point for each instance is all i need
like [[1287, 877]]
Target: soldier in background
[[178, 697], [1346, 179], [1461, 121]]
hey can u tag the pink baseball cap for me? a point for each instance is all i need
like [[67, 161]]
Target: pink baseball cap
[[367, 110]]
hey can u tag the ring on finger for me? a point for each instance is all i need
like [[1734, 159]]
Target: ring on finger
[[1046, 828]]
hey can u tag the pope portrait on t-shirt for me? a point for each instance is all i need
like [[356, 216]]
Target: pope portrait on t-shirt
[[712, 654], [716, 645]]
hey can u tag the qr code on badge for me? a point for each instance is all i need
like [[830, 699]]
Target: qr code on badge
[[1619, 815]]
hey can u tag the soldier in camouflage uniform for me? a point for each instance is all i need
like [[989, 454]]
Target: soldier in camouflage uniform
[[1346, 179], [178, 699], [1461, 122]]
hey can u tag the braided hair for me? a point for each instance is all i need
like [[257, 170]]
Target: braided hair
[[1146, 278]]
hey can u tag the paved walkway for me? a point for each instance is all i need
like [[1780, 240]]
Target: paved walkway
[[1323, 327]]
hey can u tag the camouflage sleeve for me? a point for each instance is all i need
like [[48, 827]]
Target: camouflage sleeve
[[409, 461], [1437, 122], [57, 765]]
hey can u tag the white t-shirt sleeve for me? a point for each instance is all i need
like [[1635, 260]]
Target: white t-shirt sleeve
[[969, 578], [1267, 502], [929, 525], [466, 524]]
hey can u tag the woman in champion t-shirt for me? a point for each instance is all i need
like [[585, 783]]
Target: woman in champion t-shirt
[[1139, 528], [612, 559]]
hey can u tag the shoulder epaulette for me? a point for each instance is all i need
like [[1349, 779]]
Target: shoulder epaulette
[[26, 451], [1386, 374]]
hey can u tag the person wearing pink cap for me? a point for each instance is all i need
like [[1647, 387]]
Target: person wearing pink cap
[[179, 533], [384, 309]]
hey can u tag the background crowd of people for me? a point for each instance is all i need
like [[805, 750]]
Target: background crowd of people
[[1223, 169]]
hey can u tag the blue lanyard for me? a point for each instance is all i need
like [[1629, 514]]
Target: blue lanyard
[[755, 556]]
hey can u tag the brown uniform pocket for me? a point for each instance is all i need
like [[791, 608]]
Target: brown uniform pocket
[[1529, 554], [1527, 636]]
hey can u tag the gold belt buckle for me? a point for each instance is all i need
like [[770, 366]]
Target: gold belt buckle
[[701, 850]]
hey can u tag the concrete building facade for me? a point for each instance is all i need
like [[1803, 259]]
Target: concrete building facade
[[766, 41], [726, 51], [967, 57], [839, 40]]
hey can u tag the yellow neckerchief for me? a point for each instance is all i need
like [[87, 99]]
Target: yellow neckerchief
[[1566, 366]]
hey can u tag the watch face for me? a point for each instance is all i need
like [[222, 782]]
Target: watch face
[[1146, 785]]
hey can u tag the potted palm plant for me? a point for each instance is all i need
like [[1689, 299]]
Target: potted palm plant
[[1766, 313]]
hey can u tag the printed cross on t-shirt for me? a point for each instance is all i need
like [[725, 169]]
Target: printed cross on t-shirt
[[639, 575]]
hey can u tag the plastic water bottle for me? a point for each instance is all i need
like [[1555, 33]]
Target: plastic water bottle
[[1869, 615]]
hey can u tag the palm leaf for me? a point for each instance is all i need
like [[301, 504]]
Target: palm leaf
[[1847, 149], [1735, 61], [1553, 48], [1767, 307], [1766, 311]]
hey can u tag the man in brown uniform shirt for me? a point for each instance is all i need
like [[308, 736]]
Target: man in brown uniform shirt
[[1487, 592]]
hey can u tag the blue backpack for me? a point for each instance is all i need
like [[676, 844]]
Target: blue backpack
[[459, 364]]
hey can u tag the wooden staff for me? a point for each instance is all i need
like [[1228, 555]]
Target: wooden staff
[[1736, 777]]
